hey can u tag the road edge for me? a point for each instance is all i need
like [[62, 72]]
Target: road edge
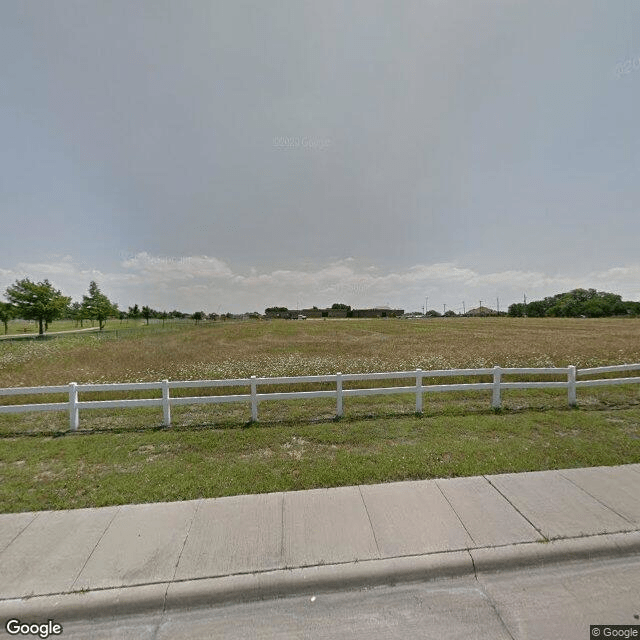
[[162, 597]]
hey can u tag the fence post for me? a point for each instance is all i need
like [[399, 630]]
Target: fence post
[[418, 390], [166, 403], [339, 394], [571, 386], [497, 377], [254, 400], [73, 406]]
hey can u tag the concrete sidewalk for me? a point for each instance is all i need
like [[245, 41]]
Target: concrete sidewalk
[[134, 558]]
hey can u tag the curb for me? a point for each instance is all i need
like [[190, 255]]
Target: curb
[[318, 579], [158, 598], [541, 554], [102, 603]]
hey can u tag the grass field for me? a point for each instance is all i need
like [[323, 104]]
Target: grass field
[[224, 350], [128, 457]]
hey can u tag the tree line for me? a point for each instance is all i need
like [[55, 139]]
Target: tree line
[[577, 303], [42, 302]]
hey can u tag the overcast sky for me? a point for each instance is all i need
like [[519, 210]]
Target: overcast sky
[[229, 156]]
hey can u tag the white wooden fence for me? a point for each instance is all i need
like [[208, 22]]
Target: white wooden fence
[[73, 404]]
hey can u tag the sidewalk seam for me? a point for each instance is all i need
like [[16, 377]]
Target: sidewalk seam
[[96, 546], [597, 499], [184, 543], [373, 531], [282, 527], [473, 564], [516, 508], [493, 605], [21, 531], [457, 515]]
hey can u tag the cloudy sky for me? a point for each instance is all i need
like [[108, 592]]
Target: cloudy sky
[[232, 155]]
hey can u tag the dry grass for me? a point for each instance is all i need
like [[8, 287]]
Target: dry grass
[[123, 456], [279, 348], [226, 350]]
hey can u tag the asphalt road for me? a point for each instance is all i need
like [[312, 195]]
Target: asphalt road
[[558, 602]]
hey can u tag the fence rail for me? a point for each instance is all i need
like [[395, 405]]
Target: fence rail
[[73, 405]]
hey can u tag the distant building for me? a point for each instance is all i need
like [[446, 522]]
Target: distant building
[[377, 312]]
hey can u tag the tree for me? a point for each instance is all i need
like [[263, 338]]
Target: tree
[[6, 313], [77, 313], [146, 313], [516, 310], [96, 305], [574, 303], [37, 301], [339, 305], [595, 309], [134, 312], [632, 308], [535, 309], [198, 316]]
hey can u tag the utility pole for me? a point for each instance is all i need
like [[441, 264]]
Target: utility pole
[[444, 309], [498, 303], [464, 312], [426, 306], [524, 311]]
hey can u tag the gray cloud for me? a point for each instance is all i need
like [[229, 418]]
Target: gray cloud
[[169, 282], [497, 138]]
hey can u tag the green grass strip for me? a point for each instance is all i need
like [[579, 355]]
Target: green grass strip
[[46, 471]]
